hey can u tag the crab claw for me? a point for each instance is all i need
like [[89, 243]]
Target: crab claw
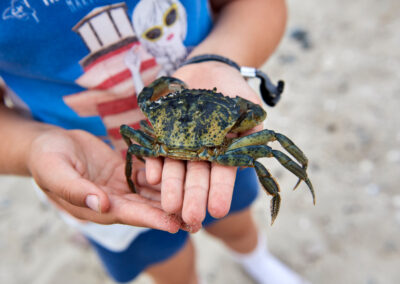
[[271, 187], [310, 186], [275, 205], [295, 169]]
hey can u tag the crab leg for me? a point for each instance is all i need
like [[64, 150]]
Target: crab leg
[[143, 139], [268, 182], [138, 151], [263, 137], [146, 127], [259, 151], [139, 136]]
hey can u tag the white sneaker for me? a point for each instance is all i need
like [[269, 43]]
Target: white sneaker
[[265, 268], [273, 271]]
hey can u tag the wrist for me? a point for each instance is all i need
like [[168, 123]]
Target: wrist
[[36, 144], [207, 74], [270, 93], [19, 134], [213, 74]]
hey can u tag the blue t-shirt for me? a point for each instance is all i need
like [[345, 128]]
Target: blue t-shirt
[[79, 63]]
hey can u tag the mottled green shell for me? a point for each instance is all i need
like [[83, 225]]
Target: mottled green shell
[[191, 119]]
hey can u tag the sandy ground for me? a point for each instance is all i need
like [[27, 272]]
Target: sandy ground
[[341, 63]]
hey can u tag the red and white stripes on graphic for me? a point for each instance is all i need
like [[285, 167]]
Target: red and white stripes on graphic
[[110, 92]]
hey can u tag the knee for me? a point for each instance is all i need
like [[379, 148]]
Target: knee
[[234, 227], [179, 269]]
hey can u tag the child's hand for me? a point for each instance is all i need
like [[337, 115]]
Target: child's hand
[[190, 189], [85, 177]]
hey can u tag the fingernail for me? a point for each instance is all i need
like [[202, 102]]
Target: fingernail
[[190, 228], [92, 201], [186, 227]]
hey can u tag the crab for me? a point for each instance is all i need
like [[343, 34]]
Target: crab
[[193, 124]]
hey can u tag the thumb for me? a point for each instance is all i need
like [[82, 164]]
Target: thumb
[[62, 179]]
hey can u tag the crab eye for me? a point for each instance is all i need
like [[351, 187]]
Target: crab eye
[[153, 33], [171, 16]]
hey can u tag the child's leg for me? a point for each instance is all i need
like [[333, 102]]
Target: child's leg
[[238, 231], [178, 269], [247, 246]]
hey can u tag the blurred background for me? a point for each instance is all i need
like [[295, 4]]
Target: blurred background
[[341, 63]]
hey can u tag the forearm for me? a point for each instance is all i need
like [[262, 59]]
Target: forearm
[[246, 31], [16, 136]]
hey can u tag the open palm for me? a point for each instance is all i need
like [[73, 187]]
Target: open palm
[[69, 166]]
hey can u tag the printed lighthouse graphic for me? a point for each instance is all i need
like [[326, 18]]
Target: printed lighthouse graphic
[[110, 91]]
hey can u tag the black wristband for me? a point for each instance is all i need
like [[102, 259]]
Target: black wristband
[[270, 93]]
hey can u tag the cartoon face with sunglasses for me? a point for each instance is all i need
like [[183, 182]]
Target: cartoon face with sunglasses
[[161, 27]]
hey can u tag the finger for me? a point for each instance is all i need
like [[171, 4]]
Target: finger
[[196, 192], [134, 211], [143, 199], [221, 190], [82, 213], [191, 228], [151, 192], [70, 185], [142, 181], [154, 168], [173, 178], [137, 211]]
